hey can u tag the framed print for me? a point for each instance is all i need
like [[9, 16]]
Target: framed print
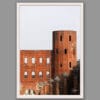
[[50, 50]]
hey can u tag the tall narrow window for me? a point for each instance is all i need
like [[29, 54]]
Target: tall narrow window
[[48, 60], [25, 60], [40, 60], [70, 65], [25, 74], [69, 37], [33, 74], [40, 74], [65, 51], [60, 65], [33, 60], [61, 38], [47, 73]]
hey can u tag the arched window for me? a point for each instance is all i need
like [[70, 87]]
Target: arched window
[[40, 74], [47, 73], [25, 60], [65, 51], [69, 37], [48, 60], [25, 74], [70, 65], [33, 60], [40, 60], [60, 65], [61, 38], [33, 74]]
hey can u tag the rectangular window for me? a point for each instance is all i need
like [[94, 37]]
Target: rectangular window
[[25, 74], [33, 60], [61, 38], [33, 74], [40, 60], [40, 74], [70, 38], [25, 60], [48, 74], [60, 65], [70, 66], [65, 51], [48, 60]]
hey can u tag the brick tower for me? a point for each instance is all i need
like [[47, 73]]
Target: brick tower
[[45, 71], [64, 47]]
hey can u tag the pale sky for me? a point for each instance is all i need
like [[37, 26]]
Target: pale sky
[[38, 22]]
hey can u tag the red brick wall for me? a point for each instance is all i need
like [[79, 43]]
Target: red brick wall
[[30, 82], [63, 53], [62, 41]]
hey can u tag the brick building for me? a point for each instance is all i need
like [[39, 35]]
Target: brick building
[[47, 71]]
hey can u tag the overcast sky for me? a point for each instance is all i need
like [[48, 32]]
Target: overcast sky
[[38, 22]]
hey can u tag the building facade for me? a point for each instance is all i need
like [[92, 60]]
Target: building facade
[[47, 71], [35, 71]]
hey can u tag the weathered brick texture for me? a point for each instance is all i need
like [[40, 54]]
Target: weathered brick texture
[[64, 46], [61, 60], [29, 82]]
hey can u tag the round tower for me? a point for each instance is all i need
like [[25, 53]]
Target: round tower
[[64, 51]]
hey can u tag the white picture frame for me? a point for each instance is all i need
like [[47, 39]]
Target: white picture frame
[[81, 58]]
